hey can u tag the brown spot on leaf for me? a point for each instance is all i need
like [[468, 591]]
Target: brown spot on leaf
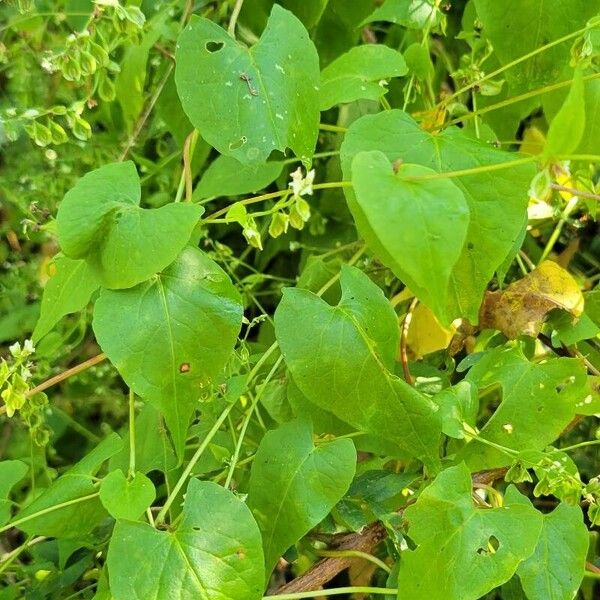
[[184, 367]]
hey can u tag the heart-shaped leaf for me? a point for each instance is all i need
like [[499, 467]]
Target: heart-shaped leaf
[[262, 98], [101, 221], [294, 485], [125, 499], [470, 550], [416, 225], [215, 553], [341, 357], [171, 335], [497, 199]]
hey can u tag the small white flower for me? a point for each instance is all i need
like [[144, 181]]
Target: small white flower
[[15, 349], [302, 186], [28, 347]]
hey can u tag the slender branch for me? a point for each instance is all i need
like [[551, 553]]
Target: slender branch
[[404, 339], [575, 192], [66, 374], [336, 592], [366, 541], [234, 17], [131, 433], [517, 61]]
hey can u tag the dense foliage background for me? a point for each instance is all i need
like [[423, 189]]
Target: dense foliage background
[[299, 296]]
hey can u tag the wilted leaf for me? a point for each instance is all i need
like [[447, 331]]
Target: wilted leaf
[[523, 306]]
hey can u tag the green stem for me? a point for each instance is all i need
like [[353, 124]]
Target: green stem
[[515, 99], [515, 62], [475, 170], [45, 511], [257, 396], [334, 128], [571, 206], [131, 433], [333, 592], [580, 445], [195, 458], [234, 17]]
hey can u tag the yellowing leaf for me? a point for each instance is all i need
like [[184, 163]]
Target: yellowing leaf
[[425, 334], [522, 307]]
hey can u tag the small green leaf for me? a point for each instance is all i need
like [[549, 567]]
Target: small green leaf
[[125, 499], [414, 14], [67, 291], [342, 358], [262, 99], [215, 552], [538, 401], [568, 126], [294, 485], [100, 220], [227, 177], [417, 227], [360, 73], [470, 550], [11, 472], [555, 569], [171, 336], [77, 518]]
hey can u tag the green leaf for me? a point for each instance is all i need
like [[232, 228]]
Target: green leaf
[[517, 28], [555, 569], [341, 358], [214, 553], [568, 126], [262, 99], [153, 450], [358, 74], [172, 335], [414, 14], [11, 472], [67, 291], [227, 177], [538, 401], [471, 550], [294, 485], [497, 199], [125, 499], [100, 220], [77, 518], [418, 227]]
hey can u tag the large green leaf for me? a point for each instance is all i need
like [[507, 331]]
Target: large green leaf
[[555, 569], [261, 99], [171, 335], [470, 550], [417, 227], [358, 74], [341, 358], [497, 200], [214, 553], [77, 518], [538, 402], [100, 220], [68, 290], [11, 472], [517, 28], [294, 485]]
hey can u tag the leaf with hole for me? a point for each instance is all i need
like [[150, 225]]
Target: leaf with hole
[[263, 98], [471, 550]]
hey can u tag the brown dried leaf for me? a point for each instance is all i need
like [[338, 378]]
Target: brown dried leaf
[[523, 306]]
